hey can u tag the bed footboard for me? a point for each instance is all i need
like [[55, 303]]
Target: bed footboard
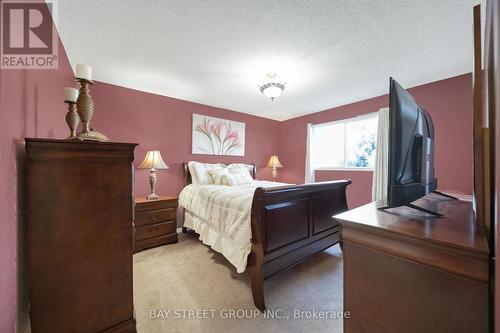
[[290, 224]]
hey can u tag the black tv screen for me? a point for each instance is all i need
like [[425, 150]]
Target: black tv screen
[[411, 149]]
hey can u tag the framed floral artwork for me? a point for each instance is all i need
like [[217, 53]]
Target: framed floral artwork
[[215, 136]]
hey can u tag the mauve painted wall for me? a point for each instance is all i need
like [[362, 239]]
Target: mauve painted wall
[[448, 101], [163, 123], [31, 105], [359, 192]]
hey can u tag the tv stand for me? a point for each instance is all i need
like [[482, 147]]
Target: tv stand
[[436, 214], [428, 277]]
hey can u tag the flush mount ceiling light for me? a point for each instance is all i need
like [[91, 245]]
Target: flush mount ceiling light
[[272, 88]]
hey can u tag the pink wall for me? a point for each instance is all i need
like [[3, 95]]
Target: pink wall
[[163, 123], [448, 101], [31, 105], [359, 192]]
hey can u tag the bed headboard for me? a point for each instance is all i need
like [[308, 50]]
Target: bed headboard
[[187, 175]]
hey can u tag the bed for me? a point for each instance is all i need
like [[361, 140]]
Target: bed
[[265, 226]]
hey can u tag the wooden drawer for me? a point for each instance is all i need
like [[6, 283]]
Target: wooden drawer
[[155, 216], [148, 205], [154, 242], [155, 222], [154, 230]]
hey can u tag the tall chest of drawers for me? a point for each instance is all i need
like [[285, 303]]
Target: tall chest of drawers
[[155, 222], [79, 236]]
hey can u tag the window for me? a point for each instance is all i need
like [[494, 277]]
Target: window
[[345, 144]]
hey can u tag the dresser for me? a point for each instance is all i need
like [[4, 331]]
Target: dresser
[[155, 222], [80, 236], [407, 272]]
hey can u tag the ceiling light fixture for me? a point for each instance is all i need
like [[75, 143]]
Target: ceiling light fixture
[[272, 88]]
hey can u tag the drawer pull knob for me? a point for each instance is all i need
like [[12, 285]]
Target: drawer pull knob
[[153, 217]]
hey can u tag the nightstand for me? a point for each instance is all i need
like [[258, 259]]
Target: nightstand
[[155, 222]]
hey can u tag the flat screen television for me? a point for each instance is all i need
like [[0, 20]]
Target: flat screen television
[[411, 151]]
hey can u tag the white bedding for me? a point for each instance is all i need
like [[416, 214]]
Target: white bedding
[[220, 214]]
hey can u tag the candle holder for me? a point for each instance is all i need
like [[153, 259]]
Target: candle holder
[[72, 119], [85, 106]]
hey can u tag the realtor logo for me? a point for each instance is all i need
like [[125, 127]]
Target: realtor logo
[[28, 37]]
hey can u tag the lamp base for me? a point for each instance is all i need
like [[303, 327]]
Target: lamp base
[[153, 196], [152, 183], [275, 173]]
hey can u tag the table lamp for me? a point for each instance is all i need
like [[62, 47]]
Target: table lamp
[[274, 163], [153, 161]]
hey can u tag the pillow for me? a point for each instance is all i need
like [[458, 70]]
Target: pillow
[[199, 172], [219, 176], [239, 170], [238, 176], [248, 167]]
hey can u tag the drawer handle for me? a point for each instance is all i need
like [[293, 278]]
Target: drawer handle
[[153, 217]]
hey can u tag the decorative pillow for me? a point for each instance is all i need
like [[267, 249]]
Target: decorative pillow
[[239, 170], [238, 176], [219, 176], [249, 167], [199, 172]]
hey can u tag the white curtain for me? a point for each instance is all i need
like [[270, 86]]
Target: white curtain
[[381, 172], [309, 175]]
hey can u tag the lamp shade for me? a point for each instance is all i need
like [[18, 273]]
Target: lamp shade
[[272, 91], [153, 160], [274, 162]]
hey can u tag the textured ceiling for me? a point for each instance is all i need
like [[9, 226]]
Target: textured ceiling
[[216, 52]]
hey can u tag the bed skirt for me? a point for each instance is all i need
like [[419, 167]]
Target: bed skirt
[[237, 254]]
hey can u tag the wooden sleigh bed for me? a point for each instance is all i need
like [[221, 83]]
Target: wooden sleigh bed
[[289, 224]]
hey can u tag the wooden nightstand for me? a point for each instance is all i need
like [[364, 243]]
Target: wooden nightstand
[[155, 222]]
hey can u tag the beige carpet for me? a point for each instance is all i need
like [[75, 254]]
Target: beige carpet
[[190, 276]]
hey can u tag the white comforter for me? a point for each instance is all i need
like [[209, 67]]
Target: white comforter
[[220, 214]]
